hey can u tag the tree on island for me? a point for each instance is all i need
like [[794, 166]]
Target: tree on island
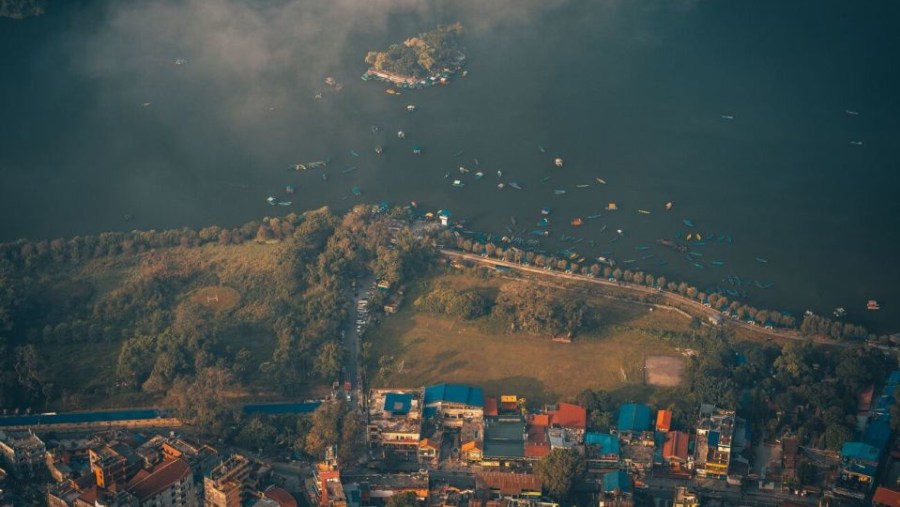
[[421, 56]]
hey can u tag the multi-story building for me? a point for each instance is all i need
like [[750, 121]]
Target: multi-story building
[[325, 488], [715, 431], [226, 485], [685, 498], [168, 484], [113, 463], [453, 403], [395, 422], [22, 450]]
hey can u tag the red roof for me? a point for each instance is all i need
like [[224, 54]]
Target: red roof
[[885, 496], [490, 407], [864, 400], [163, 476], [676, 445], [507, 483], [539, 419], [664, 420], [570, 416], [281, 496]]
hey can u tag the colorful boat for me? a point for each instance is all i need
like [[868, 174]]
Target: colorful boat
[[576, 222], [612, 207]]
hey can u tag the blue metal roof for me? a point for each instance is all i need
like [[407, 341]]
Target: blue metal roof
[[609, 444], [397, 403], [878, 432], [617, 480], [454, 393], [859, 451], [634, 417]]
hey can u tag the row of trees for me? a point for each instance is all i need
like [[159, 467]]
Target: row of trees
[[811, 324]]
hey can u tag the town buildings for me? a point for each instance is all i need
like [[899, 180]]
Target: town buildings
[[22, 450], [715, 431]]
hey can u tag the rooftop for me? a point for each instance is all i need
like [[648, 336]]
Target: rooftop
[[676, 445], [507, 483], [145, 485], [607, 444], [616, 481], [568, 415], [634, 417], [663, 420], [859, 451], [454, 393]]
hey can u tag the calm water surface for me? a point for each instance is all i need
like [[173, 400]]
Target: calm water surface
[[631, 92]]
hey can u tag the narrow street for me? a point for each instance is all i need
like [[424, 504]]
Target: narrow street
[[351, 335]]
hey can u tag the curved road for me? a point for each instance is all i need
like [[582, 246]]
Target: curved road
[[641, 289]]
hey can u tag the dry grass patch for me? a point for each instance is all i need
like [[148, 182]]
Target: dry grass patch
[[665, 371], [216, 299]]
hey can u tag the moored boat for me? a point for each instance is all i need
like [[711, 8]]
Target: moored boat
[[673, 245], [458, 184], [612, 207], [577, 222], [601, 181], [643, 212], [872, 305], [515, 185], [558, 162], [559, 192]]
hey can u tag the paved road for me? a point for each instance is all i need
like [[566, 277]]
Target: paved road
[[351, 338], [641, 289]]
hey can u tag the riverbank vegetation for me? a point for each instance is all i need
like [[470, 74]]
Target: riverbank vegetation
[[423, 56]]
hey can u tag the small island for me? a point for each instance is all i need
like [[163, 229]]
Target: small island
[[425, 60]]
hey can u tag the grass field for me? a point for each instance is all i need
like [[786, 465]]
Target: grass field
[[216, 299], [432, 349]]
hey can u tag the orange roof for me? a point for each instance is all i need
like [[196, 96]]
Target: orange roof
[[490, 407], [507, 483], [663, 420], [281, 496], [676, 445], [536, 450], [161, 478], [885, 496], [428, 442], [570, 416], [540, 419], [470, 445]]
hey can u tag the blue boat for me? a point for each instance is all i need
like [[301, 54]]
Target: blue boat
[[515, 185], [717, 263], [541, 148], [417, 150], [687, 222], [349, 169], [356, 191], [629, 261], [697, 265], [642, 247], [354, 153], [595, 215], [536, 232], [544, 222], [762, 260]]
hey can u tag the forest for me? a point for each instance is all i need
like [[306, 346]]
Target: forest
[[422, 56]]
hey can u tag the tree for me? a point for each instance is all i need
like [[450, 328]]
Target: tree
[[406, 499], [329, 359], [559, 471], [201, 400], [836, 434]]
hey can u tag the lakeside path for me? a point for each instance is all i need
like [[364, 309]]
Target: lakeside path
[[669, 297]]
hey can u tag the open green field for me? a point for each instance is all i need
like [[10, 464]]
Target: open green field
[[432, 348]]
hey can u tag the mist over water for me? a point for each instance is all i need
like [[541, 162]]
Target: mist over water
[[632, 92]]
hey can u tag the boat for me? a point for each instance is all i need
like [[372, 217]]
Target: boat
[[541, 148], [538, 232], [546, 211], [839, 312], [642, 247], [545, 179], [727, 117], [595, 215], [458, 184], [475, 160], [544, 222], [643, 212], [673, 245], [284, 203], [576, 222], [851, 113], [391, 91], [300, 167], [856, 143], [717, 263], [330, 81], [446, 175], [559, 192], [760, 259], [354, 153], [379, 150], [601, 181], [602, 229], [669, 206], [515, 185], [324, 177], [375, 129], [606, 260], [558, 162], [499, 174], [317, 163], [698, 237], [689, 236], [689, 223], [620, 232], [697, 265], [479, 175], [500, 186], [401, 134], [289, 189], [356, 191], [146, 104], [180, 61], [873, 305], [410, 108], [762, 285], [512, 220], [581, 186], [695, 254], [318, 96], [417, 150], [629, 261], [271, 200], [458, 154], [611, 207], [648, 256], [463, 170]]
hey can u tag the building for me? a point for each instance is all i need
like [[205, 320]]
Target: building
[[685, 498], [885, 497], [167, 484], [675, 450], [280, 496], [663, 421], [634, 419], [395, 422], [507, 486], [602, 451], [859, 462], [504, 442], [380, 487], [429, 450], [113, 463], [22, 450], [715, 431], [326, 489], [227, 484], [453, 403], [616, 490]]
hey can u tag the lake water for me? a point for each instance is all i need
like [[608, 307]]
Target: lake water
[[631, 92]]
